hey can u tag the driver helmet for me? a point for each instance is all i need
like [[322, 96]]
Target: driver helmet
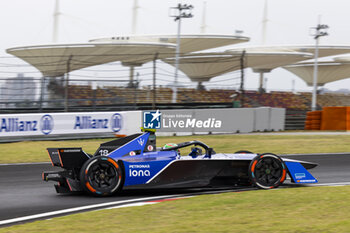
[[170, 145]]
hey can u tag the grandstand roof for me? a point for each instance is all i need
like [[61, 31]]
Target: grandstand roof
[[342, 59], [327, 71], [201, 67], [52, 60], [188, 43], [323, 50], [266, 59]]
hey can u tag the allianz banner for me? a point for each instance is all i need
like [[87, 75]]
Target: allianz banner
[[69, 123]]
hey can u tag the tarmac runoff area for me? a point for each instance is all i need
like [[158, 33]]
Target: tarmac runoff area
[[25, 197]]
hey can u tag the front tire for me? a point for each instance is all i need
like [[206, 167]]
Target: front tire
[[267, 171], [101, 176]]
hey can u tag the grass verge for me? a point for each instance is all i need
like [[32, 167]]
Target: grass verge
[[35, 151], [317, 209]]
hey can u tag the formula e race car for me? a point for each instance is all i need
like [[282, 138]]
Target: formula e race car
[[134, 162]]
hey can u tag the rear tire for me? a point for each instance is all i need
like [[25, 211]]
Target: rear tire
[[267, 171], [101, 176]]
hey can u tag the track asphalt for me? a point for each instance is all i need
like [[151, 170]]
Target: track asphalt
[[23, 193]]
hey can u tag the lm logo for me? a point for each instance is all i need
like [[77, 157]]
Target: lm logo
[[152, 120], [46, 124]]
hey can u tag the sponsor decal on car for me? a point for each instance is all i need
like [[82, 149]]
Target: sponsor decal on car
[[71, 150], [141, 141], [139, 170], [306, 181], [132, 153], [300, 175]]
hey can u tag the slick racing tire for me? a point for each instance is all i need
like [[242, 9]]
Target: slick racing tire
[[267, 171], [101, 176]]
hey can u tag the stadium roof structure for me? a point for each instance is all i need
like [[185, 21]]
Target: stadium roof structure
[[188, 43], [201, 67], [58, 59], [342, 59], [327, 71], [265, 59], [323, 50], [52, 60]]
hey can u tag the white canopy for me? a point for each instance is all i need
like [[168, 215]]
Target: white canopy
[[327, 71], [266, 59], [55, 60], [204, 66], [188, 43], [342, 59], [323, 50], [201, 67]]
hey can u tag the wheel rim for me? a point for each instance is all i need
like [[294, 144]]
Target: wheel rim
[[103, 176], [268, 171]]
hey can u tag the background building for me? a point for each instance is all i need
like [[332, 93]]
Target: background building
[[19, 91]]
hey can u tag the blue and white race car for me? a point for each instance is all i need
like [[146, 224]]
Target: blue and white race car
[[134, 162]]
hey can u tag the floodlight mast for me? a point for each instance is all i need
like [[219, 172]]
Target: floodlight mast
[[320, 30], [183, 11]]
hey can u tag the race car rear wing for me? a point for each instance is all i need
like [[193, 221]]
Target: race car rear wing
[[68, 158], [74, 158]]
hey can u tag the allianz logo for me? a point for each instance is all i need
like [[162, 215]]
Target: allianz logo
[[17, 125], [87, 122]]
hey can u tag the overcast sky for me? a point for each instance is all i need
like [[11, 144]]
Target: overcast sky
[[24, 22]]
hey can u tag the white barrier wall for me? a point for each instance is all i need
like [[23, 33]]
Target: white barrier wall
[[69, 123], [232, 120], [262, 119], [269, 119], [277, 119]]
